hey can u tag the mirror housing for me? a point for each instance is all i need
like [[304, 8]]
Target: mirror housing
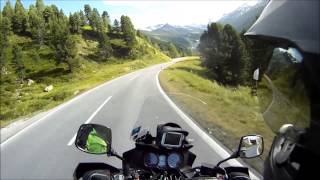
[[250, 146], [94, 139]]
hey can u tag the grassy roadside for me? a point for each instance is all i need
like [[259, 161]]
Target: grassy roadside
[[19, 101], [31, 99], [226, 113]]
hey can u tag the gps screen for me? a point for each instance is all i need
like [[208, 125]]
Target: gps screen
[[173, 139]]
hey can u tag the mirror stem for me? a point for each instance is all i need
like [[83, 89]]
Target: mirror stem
[[232, 156], [114, 153]]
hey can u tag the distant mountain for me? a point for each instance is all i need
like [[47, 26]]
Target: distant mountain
[[185, 37], [151, 28], [244, 16]]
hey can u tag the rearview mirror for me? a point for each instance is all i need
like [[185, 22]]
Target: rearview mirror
[[250, 146], [94, 139]]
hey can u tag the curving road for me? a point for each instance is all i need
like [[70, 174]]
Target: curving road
[[45, 149]]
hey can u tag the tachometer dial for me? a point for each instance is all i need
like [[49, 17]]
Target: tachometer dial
[[151, 159], [174, 160]]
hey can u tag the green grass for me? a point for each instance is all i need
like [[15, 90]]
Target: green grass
[[227, 113], [87, 27], [21, 101], [118, 42]]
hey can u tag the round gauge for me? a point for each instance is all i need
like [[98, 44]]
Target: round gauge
[[151, 159], [162, 162], [174, 160]]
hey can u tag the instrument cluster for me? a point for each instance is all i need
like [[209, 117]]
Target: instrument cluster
[[172, 160]]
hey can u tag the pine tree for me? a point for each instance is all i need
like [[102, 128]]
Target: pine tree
[[40, 6], [83, 18], [224, 53], [62, 42], [71, 52], [128, 31], [36, 24], [96, 21], [49, 12], [75, 23], [105, 48], [116, 26], [106, 21], [17, 62], [87, 12], [58, 35], [4, 30], [20, 18], [8, 12], [61, 14], [210, 48], [4, 33]]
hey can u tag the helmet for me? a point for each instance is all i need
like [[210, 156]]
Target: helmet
[[292, 28], [289, 22]]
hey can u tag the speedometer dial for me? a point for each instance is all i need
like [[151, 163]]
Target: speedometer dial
[[174, 160], [151, 159]]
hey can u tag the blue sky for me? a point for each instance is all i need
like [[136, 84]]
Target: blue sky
[[149, 13]]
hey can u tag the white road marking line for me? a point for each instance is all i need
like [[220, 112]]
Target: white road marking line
[[72, 139], [52, 111], [212, 143], [99, 108], [89, 119]]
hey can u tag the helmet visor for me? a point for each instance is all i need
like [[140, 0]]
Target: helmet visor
[[283, 96]]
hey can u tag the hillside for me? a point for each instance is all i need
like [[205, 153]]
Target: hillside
[[20, 99], [56, 58], [184, 37], [244, 16]]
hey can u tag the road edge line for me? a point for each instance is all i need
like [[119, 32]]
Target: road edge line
[[212, 143], [57, 108]]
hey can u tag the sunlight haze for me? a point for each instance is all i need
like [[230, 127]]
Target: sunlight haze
[[148, 13]]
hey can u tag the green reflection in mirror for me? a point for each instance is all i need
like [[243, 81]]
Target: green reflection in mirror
[[94, 138], [96, 144]]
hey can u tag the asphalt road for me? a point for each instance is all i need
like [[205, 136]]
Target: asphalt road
[[45, 149]]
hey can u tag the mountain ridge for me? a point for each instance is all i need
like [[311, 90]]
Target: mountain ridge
[[187, 37], [244, 16]]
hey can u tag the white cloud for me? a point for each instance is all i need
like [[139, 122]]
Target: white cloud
[[146, 13]]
